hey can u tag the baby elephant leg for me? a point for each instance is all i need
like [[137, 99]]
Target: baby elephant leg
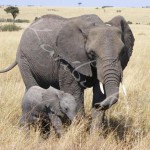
[[45, 128], [56, 123], [24, 123]]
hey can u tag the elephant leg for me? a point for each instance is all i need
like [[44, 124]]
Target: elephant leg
[[69, 84], [45, 128], [22, 121], [97, 116], [97, 120], [27, 131], [26, 73], [56, 123], [26, 126]]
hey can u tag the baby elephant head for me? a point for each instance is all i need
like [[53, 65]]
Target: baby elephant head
[[60, 103], [68, 105]]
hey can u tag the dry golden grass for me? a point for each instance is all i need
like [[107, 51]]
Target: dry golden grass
[[127, 123]]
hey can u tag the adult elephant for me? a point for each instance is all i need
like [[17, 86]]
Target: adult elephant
[[76, 53]]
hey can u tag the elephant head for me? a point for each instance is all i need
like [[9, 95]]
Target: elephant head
[[60, 103], [108, 45]]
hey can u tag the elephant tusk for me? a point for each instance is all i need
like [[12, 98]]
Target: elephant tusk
[[101, 87], [124, 89], [108, 24]]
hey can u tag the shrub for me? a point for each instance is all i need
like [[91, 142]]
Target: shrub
[[10, 27], [118, 11], [129, 22], [52, 10], [9, 20], [17, 21], [2, 20], [22, 21]]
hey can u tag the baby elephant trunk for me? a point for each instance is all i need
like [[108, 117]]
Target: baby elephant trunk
[[71, 116]]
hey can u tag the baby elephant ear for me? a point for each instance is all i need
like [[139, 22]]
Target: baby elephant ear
[[127, 38], [52, 102]]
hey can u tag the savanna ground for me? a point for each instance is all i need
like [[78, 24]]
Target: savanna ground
[[127, 123]]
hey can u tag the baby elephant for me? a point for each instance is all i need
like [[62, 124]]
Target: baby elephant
[[47, 106]]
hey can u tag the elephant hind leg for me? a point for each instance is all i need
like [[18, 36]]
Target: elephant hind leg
[[26, 73]]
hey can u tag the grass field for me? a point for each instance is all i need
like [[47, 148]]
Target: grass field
[[128, 122]]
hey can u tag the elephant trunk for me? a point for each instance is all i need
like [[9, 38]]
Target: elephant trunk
[[112, 94], [111, 80]]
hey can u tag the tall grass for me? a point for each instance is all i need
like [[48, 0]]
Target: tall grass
[[127, 124]]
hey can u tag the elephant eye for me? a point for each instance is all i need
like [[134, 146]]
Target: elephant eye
[[66, 109], [91, 55]]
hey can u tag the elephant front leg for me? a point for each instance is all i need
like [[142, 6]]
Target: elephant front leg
[[56, 123], [45, 128], [97, 116], [69, 84]]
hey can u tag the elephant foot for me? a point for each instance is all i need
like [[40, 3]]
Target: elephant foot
[[44, 129], [26, 129], [97, 120], [44, 134], [58, 133]]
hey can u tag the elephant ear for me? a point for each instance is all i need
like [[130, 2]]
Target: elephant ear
[[71, 45], [51, 99], [127, 38]]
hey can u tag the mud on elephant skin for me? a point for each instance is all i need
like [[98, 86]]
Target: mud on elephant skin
[[47, 106], [97, 52]]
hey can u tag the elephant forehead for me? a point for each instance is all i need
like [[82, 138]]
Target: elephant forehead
[[105, 38], [69, 100], [105, 31]]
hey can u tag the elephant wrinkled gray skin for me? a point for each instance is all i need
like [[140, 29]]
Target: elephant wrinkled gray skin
[[45, 106], [76, 53]]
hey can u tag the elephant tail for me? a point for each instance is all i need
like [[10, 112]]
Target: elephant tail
[[10, 67]]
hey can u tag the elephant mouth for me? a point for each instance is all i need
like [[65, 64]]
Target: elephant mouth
[[107, 102], [61, 115]]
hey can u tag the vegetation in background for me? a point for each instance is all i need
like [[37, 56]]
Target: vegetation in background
[[17, 20], [129, 22], [79, 3], [14, 11], [10, 27]]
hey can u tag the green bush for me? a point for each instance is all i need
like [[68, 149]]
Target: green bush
[[129, 22], [2, 20], [9, 20], [22, 21], [17, 20], [10, 27]]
